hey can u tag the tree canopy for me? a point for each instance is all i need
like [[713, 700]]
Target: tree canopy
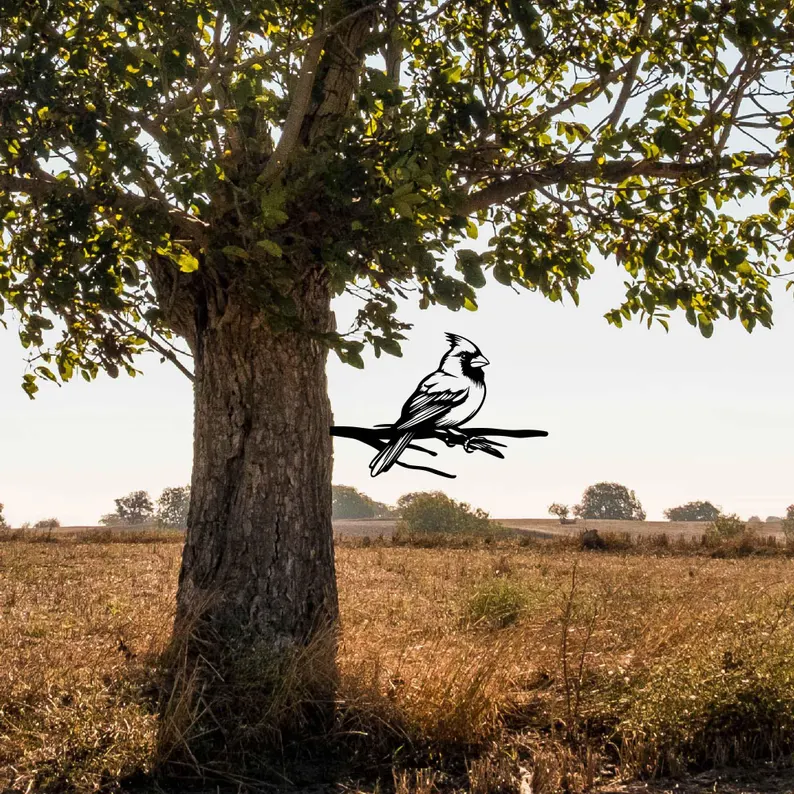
[[152, 153], [692, 511], [609, 500], [172, 507], [349, 502]]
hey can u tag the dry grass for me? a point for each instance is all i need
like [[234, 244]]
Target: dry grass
[[498, 668]]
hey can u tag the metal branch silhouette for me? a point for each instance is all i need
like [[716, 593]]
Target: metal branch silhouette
[[445, 400], [471, 437]]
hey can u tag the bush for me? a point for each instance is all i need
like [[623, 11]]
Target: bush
[[429, 512], [725, 527], [495, 603]]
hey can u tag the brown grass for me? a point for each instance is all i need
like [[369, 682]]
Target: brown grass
[[496, 668]]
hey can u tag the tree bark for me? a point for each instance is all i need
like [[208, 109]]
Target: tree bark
[[257, 579]]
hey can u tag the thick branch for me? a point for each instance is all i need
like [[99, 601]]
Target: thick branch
[[128, 202], [518, 184], [290, 132], [216, 72]]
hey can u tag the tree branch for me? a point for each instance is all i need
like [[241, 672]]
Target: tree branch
[[518, 184], [290, 132], [160, 348], [631, 73], [473, 438], [129, 202]]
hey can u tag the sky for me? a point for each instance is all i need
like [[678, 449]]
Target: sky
[[673, 416]]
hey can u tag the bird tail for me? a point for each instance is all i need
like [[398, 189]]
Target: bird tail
[[387, 457]]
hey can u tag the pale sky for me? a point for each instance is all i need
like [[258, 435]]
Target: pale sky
[[673, 416]]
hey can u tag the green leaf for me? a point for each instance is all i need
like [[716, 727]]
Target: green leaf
[[502, 274], [235, 252], [650, 253], [705, 325], [272, 248]]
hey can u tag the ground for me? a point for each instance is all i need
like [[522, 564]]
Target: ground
[[513, 665]]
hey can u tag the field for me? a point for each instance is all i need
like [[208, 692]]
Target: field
[[520, 666], [551, 527]]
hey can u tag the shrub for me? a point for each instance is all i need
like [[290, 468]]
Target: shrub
[[726, 526], [112, 520], [3, 523], [495, 603], [428, 512]]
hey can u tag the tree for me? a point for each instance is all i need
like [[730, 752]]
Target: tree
[[216, 172], [423, 512], [47, 523], [134, 508], [692, 511], [561, 511], [349, 502], [609, 500], [788, 524], [3, 522], [172, 507]]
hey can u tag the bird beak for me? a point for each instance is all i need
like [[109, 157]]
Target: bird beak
[[479, 361]]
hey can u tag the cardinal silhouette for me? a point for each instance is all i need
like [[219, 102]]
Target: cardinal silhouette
[[444, 400]]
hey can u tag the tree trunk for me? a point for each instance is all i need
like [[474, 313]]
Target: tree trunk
[[257, 585]]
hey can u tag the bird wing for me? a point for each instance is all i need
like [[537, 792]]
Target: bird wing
[[436, 395]]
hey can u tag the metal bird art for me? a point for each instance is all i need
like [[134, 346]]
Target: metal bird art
[[443, 401]]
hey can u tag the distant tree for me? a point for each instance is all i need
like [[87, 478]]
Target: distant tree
[[754, 520], [111, 520], [47, 523], [788, 523], [172, 507], [771, 519], [692, 511], [610, 500], [349, 502], [561, 511], [434, 511], [3, 523], [135, 508]]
